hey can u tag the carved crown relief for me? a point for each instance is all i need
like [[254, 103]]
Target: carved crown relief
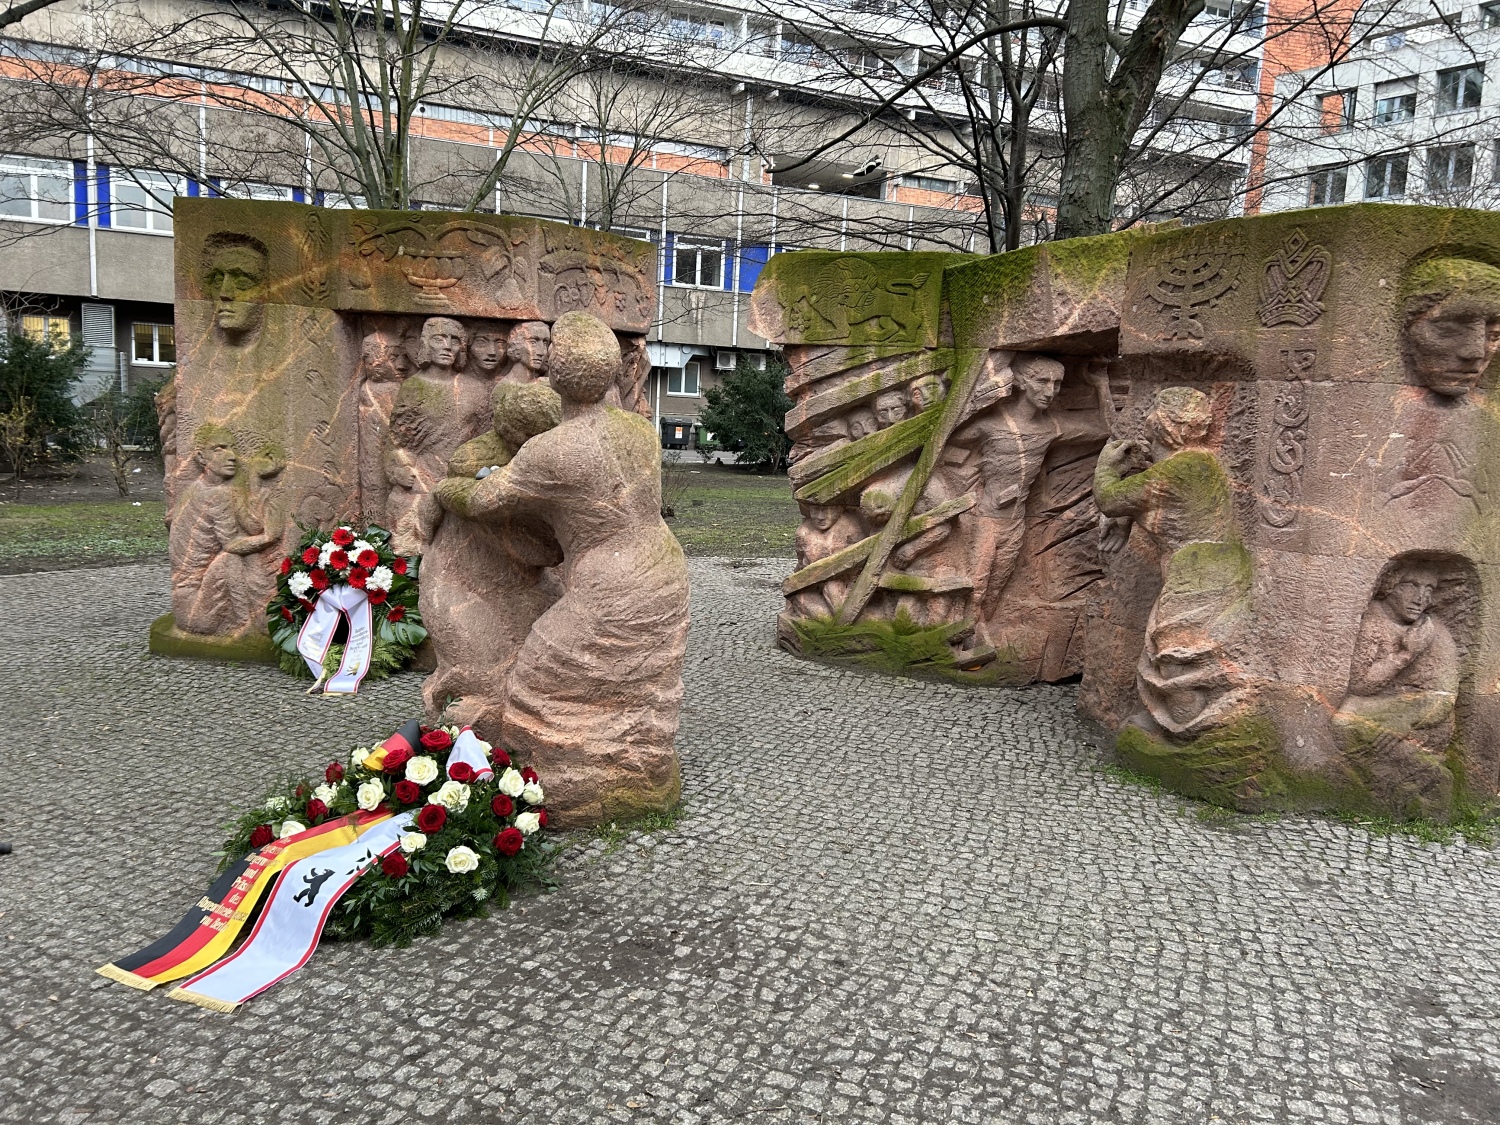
[[1292, 290]]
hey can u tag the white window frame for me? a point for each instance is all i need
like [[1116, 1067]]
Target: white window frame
[[56, 329], [714, 247], [1459, 75], [1388, 160], [157, 214], [1400, 93], [250, 189], [680, 374], [343, 201], [155, 360], [32, 168], [1331, 175]]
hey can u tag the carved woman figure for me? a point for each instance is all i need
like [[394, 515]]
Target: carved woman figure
[[1404, 675], [526, 348], [594, 693], [1188, 676], [825, 530], [483, 580]]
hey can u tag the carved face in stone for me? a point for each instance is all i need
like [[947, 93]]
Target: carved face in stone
[[235, 280], [220, 460], [1452, 324], [1412, 595], [1039, 379], [487, 349], [861, 424], [890, 408], [1180, 417], [820, 516], [924, 392], [442, 345], [527, 346]]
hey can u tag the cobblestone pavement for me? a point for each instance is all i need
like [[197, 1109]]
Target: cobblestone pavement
[[885, 902]]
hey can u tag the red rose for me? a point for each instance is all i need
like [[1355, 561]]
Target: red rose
[[301, 792], [529, 774], [509, 841], [319, 579], [502, 805], [500, 759], [316, 810], [377, 597], [342, 536], [408, 792], [395, 758], [286, 613], [461, 772], [395, 865], [437, 739], [338, 560], [310, 556], [399, 566], [368, 558], [261, 836], [432, 818], [541, 817], [357, 578], [286, 566], [334, 773], [396, 612]]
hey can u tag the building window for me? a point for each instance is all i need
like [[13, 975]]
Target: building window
[[1459, 88], [154, 344], [1326, 186], [1395, 101], [1489, 15], [1385, 176], [46, 329], [685, 381], [39, 190], [340, 201], [698, 265], [251, 190], [1336, 111], [143, 201], [1450, 168]]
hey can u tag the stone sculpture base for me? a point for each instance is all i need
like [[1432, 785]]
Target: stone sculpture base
[[250, 648]]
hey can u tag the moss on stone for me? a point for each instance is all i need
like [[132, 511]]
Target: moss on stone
[[1239, 766], [871, 453], [899, 647], [166, 640]]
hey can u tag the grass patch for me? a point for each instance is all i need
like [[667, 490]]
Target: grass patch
[[54, 536], [616, 832], [731, 512], [1474, 826]]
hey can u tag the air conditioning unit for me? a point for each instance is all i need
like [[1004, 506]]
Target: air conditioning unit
[[723, 361]]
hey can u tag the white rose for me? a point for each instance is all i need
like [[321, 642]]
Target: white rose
[[413, 842], [462, 860], [454, 796], [528, 822], [299, 583], [326, 793], [532, 793], [358, 755], [422, 769], [370, 794], [275, 804], [380, 578], [511, 782], [291, 828]]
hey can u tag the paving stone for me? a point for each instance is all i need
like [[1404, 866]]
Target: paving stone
[[885, 902]]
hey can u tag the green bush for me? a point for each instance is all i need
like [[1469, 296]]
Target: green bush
[[36, 398], [747, 413]]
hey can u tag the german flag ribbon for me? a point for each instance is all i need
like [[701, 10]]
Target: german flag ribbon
[[205, 932], [287, 931]]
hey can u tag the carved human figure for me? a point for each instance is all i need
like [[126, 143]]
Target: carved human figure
[[890, 408], [487, 348], [861, 423], [635, 373], [1404, 676], [439, 407], [1010, 439], [218, 586], [1177, 493], [483, 580], [384, 361], [593, 696], [1451, 332], [932, 582], [825, 529], [234, 278], [526, 347], [166, 427], [924, 392]]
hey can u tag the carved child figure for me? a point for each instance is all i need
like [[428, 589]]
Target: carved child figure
[[825, 530], [1404, 676], [218, 587], [486, 350]]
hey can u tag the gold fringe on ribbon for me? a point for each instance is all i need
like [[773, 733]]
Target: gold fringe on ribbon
[[212, 1003], [127, 978]]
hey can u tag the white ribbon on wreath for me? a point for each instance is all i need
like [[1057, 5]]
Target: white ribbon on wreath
[[317, 635]]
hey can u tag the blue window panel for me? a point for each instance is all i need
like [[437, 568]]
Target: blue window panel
[[194, 188], [727, 281], [101, 191], [298, 196], [80, 193], [752, 259], [666, 258]]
